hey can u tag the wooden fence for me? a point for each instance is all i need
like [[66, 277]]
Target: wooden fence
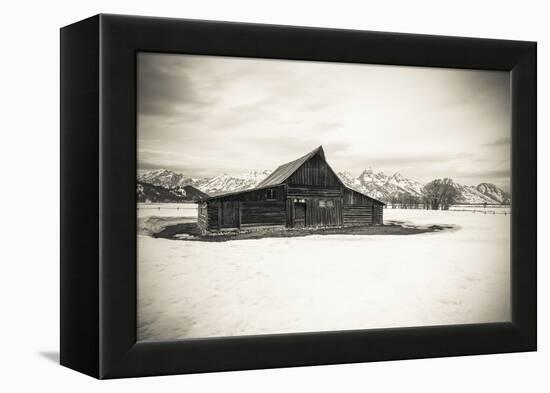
[[479, 209]]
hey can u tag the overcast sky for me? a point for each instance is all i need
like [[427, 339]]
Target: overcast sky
[[208, 115]]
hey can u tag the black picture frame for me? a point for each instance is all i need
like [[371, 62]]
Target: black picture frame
[[98, 202]]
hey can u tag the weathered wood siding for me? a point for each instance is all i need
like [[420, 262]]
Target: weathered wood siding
[[314, 172], [360, 209], [357, 215], [289, 208], [320, 212], [262, 213], [378, 214], [352, 197], [296, 191], [213, 216], [316, 185], [264, 194], [255, 208], [319, 216], [202, 218], [229, 214]]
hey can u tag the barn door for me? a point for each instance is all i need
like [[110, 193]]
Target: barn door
[[230, 214], [299, 215]]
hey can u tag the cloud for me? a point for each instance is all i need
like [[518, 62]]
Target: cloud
[[488, 173], [165, 87], [210, 115]]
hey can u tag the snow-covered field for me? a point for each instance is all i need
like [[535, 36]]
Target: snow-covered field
[[167, 210], [335, 282], [490, 209]]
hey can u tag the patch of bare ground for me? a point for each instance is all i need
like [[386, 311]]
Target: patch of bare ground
[[191, 232]]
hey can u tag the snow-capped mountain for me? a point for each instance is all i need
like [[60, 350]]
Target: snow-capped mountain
[[383, 187], [491, 191], [165, 178], [470, 194], [210, 185], [154, 193], [376, 184], [226, 183], [380, 186]]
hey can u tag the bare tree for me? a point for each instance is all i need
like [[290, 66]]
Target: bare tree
[[439, 194], [405, 200], [430, 195], [414, 201], [394, 200]]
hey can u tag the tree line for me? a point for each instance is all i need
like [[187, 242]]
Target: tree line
[[439, 194]]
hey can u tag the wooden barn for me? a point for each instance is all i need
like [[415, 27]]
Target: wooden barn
[[302, 193]]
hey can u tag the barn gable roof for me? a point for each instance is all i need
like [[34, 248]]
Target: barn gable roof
[[284, 171]]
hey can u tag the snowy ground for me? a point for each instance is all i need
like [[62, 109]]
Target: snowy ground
[[154, 217], [490, 209], [333, 282], [188, 210]]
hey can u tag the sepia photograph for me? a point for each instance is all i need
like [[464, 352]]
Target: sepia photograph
[[284, 196]]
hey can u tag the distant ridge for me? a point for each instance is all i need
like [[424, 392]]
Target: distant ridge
[[155, 193], [375, 184]]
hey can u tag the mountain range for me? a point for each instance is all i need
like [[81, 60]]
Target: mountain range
[[375, 184], [380, 186], [147, 192]]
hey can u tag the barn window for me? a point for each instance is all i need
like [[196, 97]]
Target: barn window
[[271, 194], [326, 203]]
